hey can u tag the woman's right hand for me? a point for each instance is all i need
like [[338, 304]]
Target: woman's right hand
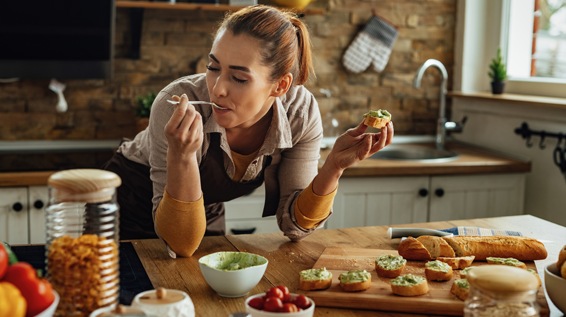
[[184, 130]]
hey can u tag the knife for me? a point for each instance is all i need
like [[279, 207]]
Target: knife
[[395, 233]]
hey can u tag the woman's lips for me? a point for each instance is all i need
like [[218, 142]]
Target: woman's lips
[[220, 107]]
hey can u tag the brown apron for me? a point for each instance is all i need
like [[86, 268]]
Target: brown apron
[[136, 192]]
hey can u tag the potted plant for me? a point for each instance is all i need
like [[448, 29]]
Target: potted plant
[[142, 110], [497, 73]]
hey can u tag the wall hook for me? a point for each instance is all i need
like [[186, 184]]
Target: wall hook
[[541, 143], [529, 143]]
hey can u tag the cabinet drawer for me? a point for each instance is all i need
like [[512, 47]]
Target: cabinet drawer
[[263, 225]]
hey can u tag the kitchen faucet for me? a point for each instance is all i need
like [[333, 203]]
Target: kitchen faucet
[[442, 125]]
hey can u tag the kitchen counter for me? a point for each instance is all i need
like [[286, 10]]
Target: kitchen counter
[[472, 160], [287, 258]]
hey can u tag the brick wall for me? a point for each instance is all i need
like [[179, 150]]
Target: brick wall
[[174, 41]]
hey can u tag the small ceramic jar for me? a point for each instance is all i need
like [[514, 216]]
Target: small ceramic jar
[[165, 303]]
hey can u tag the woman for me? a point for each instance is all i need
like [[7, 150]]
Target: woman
[[266, 127]]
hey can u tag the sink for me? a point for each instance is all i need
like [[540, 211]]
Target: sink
[[415, 153]]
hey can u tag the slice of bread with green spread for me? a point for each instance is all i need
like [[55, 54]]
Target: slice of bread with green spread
[[438, 271], [355, 280], [409, 285], [461, 288], [377, 119], [389, 265], [458, 263], [506, 261], [314, 279]]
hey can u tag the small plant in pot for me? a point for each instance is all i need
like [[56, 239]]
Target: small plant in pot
[[497, 73], [142, 110]]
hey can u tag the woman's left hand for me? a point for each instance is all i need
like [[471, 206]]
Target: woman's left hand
[[355, 145]]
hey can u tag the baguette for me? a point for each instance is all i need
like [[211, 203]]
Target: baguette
[[461, 288], [458, 263], [507, 261], [355, 280], [561, 258], [537, 276], [388, 265], [315, 279], [436, 246], [412, 249], [377, 119], [409, 285], [438, 271], [520, 248]]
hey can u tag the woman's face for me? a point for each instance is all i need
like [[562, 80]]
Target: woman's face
[[238, 81]]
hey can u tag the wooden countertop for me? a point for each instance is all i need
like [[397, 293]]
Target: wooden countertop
[[287, 258], [471, 161]]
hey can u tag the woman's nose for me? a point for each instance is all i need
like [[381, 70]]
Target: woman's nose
[[219, 89]]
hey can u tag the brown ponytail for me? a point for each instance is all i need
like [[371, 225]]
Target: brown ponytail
[[284, 38]]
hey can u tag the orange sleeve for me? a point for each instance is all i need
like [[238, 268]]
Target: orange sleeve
[[311, 209], [181, 224]]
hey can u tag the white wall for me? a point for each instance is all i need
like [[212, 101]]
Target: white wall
[[492, 124]]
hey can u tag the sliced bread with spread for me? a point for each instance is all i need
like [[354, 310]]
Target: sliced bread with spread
[[458, 263], [389, 265]]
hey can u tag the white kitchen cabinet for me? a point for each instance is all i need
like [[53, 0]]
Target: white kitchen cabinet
[[14, 215], [377, 201], [476, 196], [38, 197]]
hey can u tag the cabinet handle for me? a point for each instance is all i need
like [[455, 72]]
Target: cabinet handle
[[243, 231], [439, 192], [38, 204], [17, 207], [423, 192]]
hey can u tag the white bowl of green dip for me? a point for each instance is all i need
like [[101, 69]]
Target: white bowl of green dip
[[232, 274]]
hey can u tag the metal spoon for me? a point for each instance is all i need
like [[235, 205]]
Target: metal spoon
[[198, 103]]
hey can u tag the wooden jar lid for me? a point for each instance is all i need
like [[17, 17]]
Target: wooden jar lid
[[502, 279], [161, 297], [89, 185]]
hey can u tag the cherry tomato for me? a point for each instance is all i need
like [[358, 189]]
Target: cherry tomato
[[302, 302], [275, 292], [289, 308], [272, 304], [286, 293], [256, 303]]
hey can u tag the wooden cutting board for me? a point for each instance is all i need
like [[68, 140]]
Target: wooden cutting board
[[438, 301]]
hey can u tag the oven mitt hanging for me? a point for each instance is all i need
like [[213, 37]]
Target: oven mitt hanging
[[371, 46]]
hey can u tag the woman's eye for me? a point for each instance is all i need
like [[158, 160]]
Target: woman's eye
[[211, 69], [241, 81]]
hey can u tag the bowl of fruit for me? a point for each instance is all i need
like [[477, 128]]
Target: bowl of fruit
[[278, 302]]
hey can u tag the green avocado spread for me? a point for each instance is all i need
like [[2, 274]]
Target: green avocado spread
[[465, 271], [438, 266], [232, 261], [354, 276], [315, 274], [378, 114], [506, 261], [463, 283], [407, 280], [532, 271], [390, 262]]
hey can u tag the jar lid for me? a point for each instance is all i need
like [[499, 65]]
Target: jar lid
[[161, 297], [89, 185], [502, 279]]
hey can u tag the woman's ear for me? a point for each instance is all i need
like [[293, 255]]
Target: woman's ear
[[282, 85]]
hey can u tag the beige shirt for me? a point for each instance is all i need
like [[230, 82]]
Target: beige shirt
[[293, 142]]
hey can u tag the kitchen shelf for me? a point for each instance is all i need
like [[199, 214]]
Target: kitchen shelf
[[194, 6], [523, 99]]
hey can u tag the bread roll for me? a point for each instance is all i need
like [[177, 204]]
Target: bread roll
[[377, 119], [563, 270], [506, 261], [315, 279], [461, 288], [409, 285], [389, 265], [412, 249], [355, 280], [438, 271], [520, 248], [458, 263], [561, 258], [436, 246]]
